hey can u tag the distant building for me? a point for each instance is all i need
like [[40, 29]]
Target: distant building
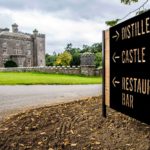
[[87, 59], [26, 50]]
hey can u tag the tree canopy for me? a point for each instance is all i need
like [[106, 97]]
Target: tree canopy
[[50, 59], [64, 59], [128, 2], [74, 54]]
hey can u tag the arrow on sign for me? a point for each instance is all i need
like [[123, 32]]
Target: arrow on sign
[[114, 57], [114, 82], [116, 36]]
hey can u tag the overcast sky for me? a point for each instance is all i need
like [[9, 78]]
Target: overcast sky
[[63, 21]]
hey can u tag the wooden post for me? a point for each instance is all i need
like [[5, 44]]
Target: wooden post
[[103, 76]]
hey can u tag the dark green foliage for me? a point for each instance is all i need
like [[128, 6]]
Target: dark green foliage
[[10, 63], [141, 11], [75, 59], [50, 59], [96, 48], [75, 52], [128, 2], [112, 22], [98, 59]]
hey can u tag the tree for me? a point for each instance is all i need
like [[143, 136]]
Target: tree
[[98, 59], [75, 52], [71, 55], [75, 58], [68, 47], [50, 59], [96, 47], [85, 48], [128, 2], [112, 22], [64, 59]]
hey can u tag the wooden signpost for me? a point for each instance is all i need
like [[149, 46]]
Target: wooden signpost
[[127, 67]]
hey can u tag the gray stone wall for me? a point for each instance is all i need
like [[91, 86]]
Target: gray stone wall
[[88, 65], [87, 59], [57, 69], [88, 70]]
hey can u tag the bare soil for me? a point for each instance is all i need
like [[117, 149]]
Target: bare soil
[[76, 125]]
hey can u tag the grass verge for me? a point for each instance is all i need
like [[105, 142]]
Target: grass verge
[[33, 78]]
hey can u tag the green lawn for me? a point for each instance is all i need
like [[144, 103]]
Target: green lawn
[[28, 78]]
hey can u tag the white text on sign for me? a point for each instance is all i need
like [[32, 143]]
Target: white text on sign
[[136, 29], [136, 55]]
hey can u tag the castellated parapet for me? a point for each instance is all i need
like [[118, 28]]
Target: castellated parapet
[[25, 49]]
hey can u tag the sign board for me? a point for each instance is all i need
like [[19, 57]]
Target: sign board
[[130, 67]]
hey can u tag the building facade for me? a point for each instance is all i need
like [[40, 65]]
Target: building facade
[[26, 50]]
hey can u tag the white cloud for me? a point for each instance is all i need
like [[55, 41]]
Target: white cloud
[[69, 21], [59, 31]]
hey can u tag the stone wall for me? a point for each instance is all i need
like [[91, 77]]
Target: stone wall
[[57, 69]]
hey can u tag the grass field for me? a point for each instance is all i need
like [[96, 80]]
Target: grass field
[[31, 78]]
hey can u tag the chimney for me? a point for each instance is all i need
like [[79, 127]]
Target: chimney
[[35, 31], [14, 27]]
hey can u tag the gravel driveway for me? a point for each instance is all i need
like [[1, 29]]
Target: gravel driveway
[[17, 98]]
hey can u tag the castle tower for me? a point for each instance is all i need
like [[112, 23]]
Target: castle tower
[[87, 64], [38, 49], [14, 27]]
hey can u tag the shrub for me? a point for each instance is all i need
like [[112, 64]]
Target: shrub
[[10, 63]]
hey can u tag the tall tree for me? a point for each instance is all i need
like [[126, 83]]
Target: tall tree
[[96, 47], [75, 58], [98, 59], [64, 59], [68, 47], [75, 52], [50, 59]]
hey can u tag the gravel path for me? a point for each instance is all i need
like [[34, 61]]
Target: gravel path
[[16, 98]]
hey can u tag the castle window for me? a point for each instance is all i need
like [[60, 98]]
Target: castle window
[[4, 47], [17, 44], [28, 52], [19, 51], [20, 62], [4, 50], [18, 48], [28, 45]]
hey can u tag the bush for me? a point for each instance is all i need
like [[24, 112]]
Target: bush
[[10, 63]]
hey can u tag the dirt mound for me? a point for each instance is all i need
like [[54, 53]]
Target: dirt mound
[[73, 126]]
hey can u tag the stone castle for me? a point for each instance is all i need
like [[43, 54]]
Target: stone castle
[[26, 50]]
